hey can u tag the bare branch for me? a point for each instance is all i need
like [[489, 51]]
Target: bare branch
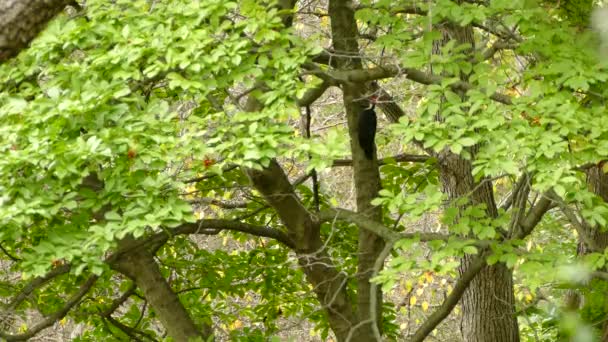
[[314, 93], [117, 302], [9, 255], [535, 214], [206, 224], [219, 203], [198, 179]]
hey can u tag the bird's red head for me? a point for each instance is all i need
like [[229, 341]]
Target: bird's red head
[[373, 99]]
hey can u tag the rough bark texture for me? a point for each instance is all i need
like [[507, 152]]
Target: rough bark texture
[[303, 229], [366, 174], [597, 181], [329, 283], [139, 265], [488, 304], [22, 20]]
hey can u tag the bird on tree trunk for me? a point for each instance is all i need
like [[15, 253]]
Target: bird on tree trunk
[[367, 128]]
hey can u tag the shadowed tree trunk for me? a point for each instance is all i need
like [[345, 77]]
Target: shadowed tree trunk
[[597, 181]]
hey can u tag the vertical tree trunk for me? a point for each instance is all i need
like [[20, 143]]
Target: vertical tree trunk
[[597, 181], [488, 304], [366, 175]]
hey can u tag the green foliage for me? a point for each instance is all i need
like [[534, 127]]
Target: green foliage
[[119, 124]]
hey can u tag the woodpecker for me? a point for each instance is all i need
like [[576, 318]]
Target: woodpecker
[[367, 128]]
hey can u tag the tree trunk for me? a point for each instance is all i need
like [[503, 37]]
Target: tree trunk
[[304, 230], [488, 304], [597, 181], [366, 175], [22, 20], [139, 265]]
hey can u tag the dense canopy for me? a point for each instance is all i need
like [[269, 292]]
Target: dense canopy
[[193, 170]]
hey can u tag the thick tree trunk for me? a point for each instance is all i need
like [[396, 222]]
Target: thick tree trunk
[[488, 304], [488, 313], [139, 265], [366, 175], [328, 283], [22, 20], [597, 182]]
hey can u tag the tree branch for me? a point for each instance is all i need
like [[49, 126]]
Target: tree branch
[[54, 317], [201, 226], [314, 93], [219, 203], [391, 70], [413, 158], [36, 283], [450, 302]]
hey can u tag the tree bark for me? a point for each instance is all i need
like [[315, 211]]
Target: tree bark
[[366, 174], [597, 182], [22, 20], [488, 304], [139, 265], [304, 229]]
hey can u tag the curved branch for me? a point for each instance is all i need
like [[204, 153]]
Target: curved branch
[[450, 302], [9, 255], [36, 283], [219, 203], [313, 94], [54, 317], [116, 303], [205, 224]]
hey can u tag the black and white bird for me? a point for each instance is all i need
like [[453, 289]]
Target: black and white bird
[[367, 129]]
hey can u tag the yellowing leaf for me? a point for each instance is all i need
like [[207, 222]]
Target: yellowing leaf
[[408, 285], [428, 276], [413, 300], [425, 305], [419, 292], [236, 324]]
